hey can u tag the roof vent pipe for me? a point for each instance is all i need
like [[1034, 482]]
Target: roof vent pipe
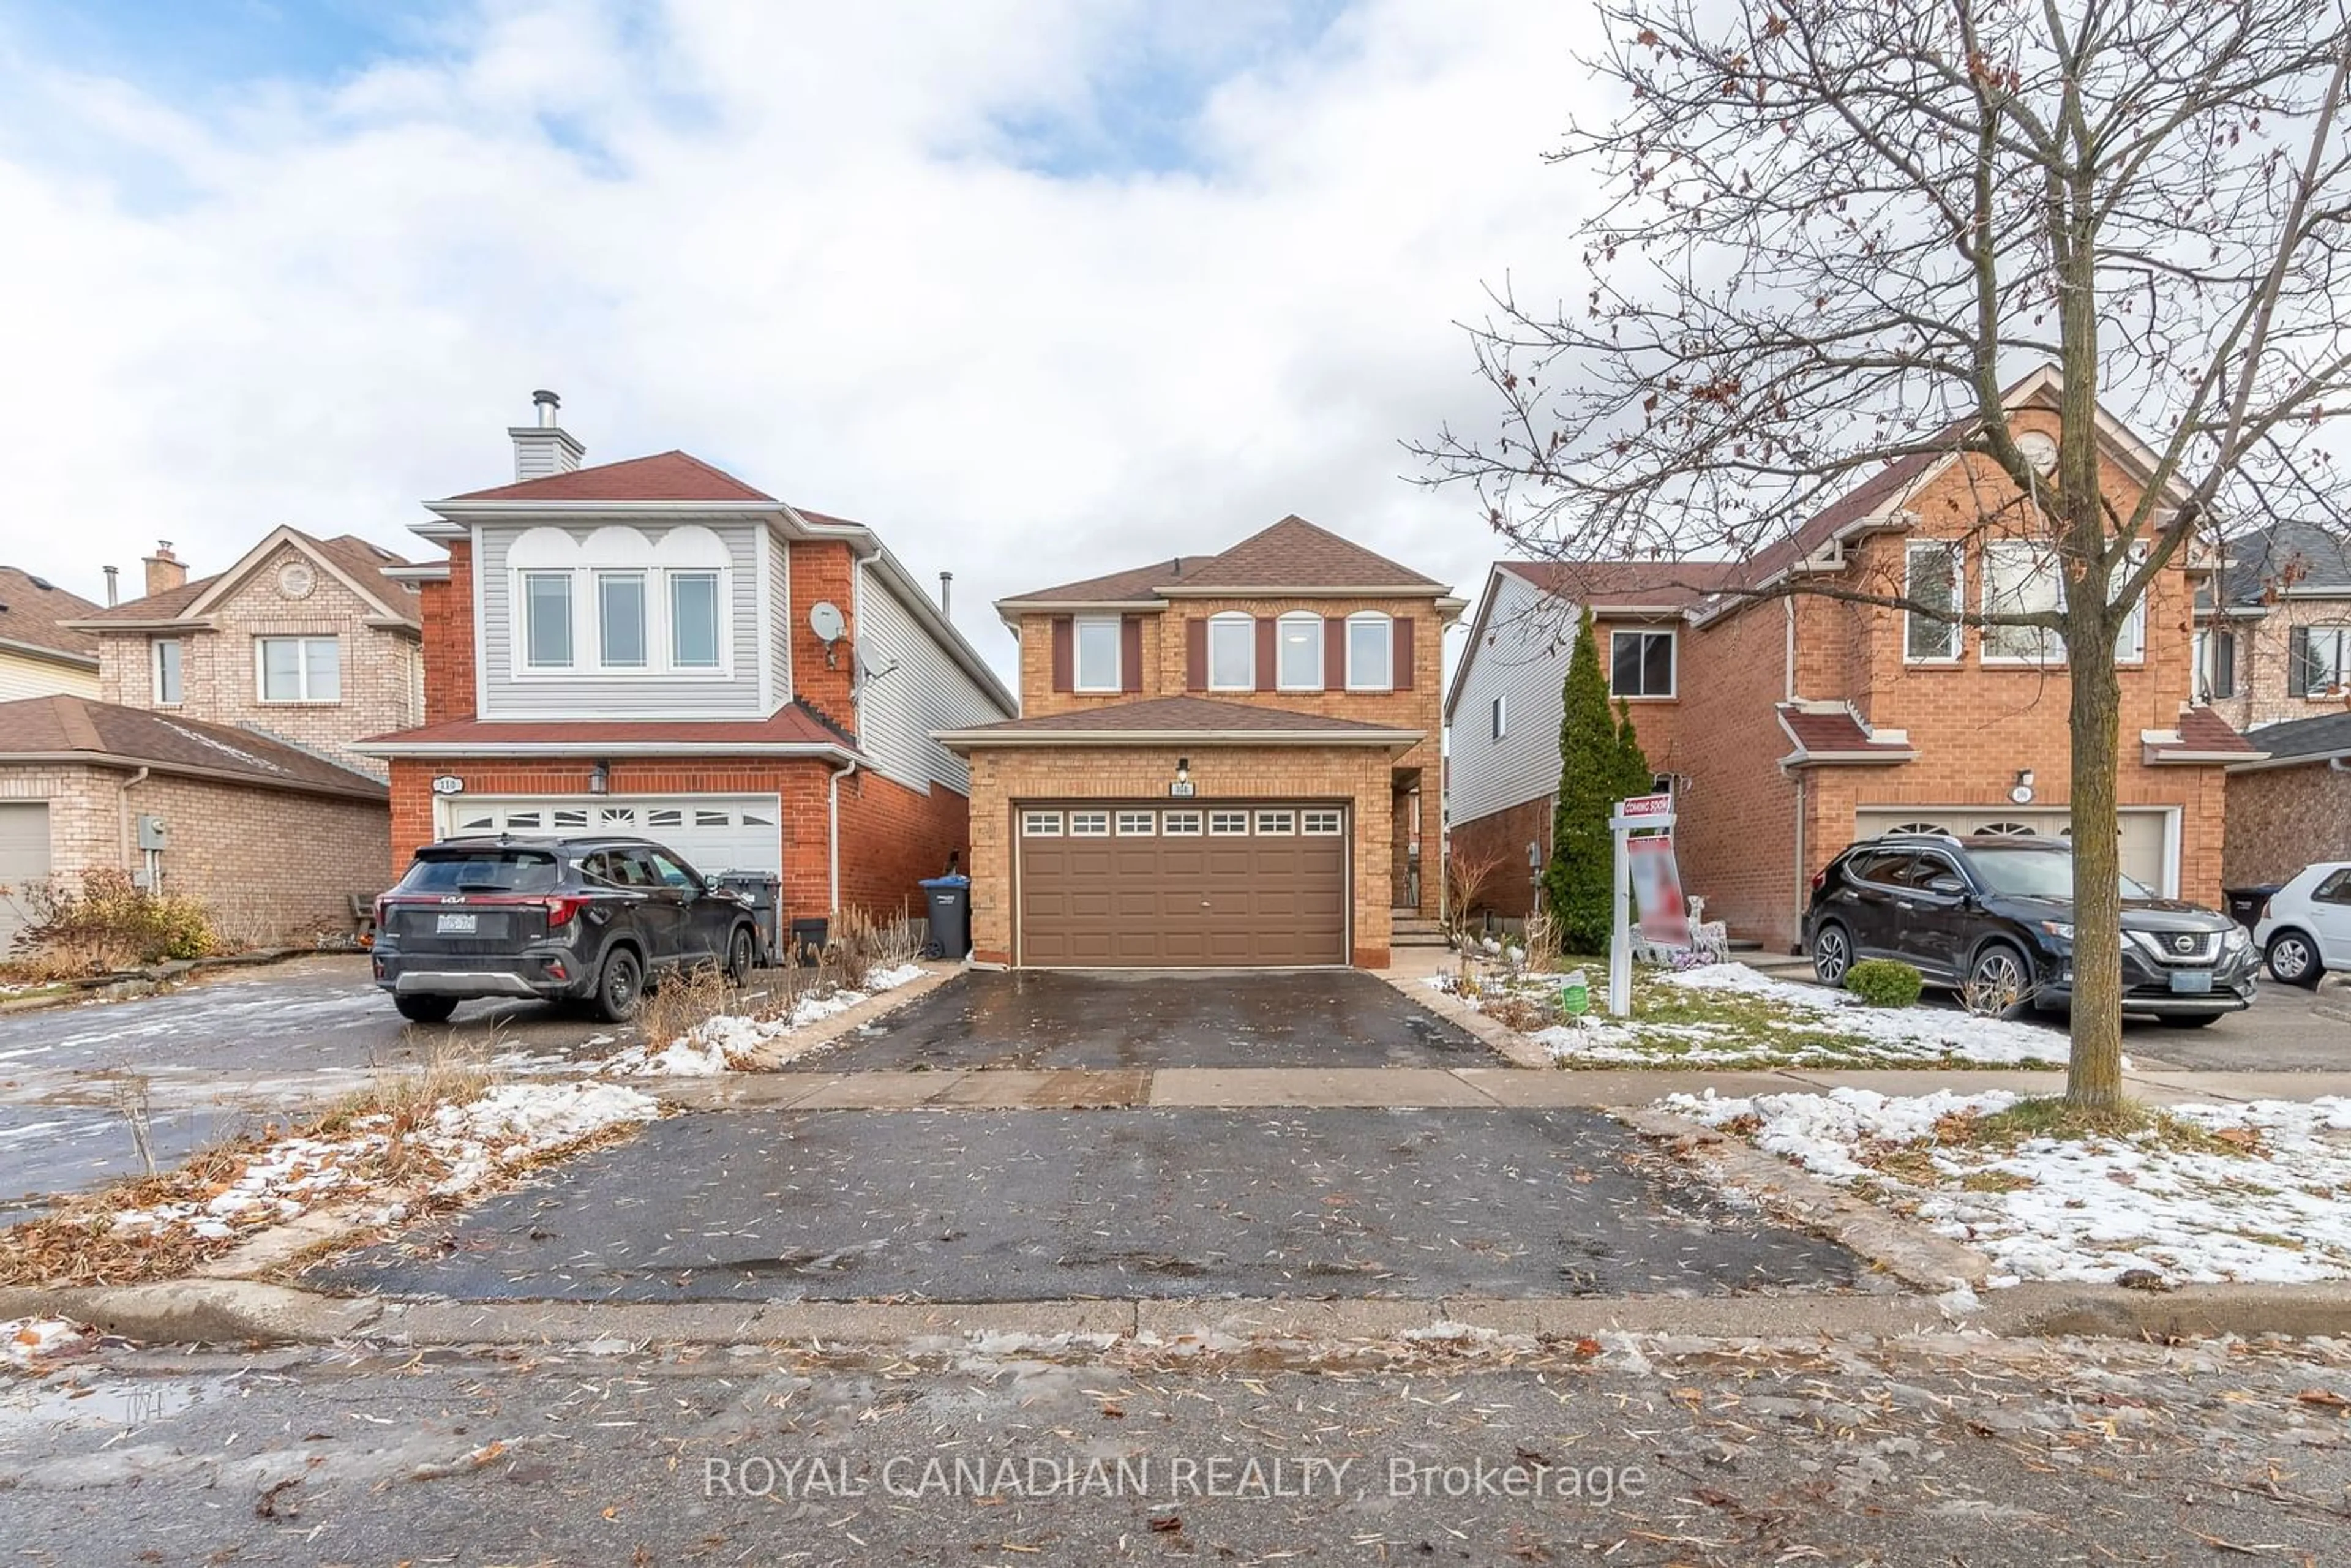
[[946, 594], [113, 585], [547, 402]]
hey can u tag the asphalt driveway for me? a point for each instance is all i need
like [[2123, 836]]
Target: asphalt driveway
[[1106, 1020], [978, 1206]]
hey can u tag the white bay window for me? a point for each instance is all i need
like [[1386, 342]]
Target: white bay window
[[620, 603]]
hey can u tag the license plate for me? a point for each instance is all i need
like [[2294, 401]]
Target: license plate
[[2192, 982], [455, 924]]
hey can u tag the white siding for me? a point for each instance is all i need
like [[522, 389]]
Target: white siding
[[623, 696], [1521, 657], [779, 618], [927, 691], [22, 676]]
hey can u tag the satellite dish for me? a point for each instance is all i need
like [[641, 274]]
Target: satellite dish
[[826, 621]]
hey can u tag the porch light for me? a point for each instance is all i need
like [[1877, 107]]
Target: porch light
[[600, 779], [1183, 770]]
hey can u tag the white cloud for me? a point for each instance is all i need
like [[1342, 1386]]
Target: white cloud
[[805, 243]]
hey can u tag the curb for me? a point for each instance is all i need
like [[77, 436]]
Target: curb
[[827, 1032], [1506, 1043], [133, 985], [227, 1313]]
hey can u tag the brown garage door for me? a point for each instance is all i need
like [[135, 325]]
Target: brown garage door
[[1120, 884]]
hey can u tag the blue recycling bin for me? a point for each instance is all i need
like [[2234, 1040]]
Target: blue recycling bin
[[949, 902]]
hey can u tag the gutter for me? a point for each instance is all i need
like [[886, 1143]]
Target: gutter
[[965, 739], [491, 748], [57, 656], [2261, 761]]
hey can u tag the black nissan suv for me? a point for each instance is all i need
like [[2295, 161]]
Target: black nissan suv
[[591, 920], [1992, 916]]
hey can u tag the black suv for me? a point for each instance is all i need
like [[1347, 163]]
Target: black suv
[[589, 920], [1993, 917]]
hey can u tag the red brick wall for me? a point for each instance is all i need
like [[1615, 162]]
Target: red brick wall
[[890, 836], [822, 571], [448, 616], [1511, 892]]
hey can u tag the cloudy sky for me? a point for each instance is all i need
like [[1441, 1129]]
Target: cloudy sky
[[1038, 287]]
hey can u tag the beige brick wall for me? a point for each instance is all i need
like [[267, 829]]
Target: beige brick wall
[[2282, 819], [382, 670], [2265, 667], [269, 863], [1001, 778]]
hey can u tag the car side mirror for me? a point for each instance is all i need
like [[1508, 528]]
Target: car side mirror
[[1948, 886]]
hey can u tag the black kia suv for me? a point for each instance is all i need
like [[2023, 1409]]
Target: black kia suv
[[591, 920], [1992, 916]]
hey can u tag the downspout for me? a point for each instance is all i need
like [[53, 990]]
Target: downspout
[[1802, 882], [833, 831], [123, 817]]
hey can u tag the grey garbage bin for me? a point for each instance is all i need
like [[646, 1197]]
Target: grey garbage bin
[[949, 898], [765, 890], [2246, 904]]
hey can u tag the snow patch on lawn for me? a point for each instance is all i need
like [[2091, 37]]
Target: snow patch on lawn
[[1807, 1025], [2087, 1208], [471, 1142], [716, 1044]]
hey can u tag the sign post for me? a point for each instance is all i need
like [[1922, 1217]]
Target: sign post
[[1639, 814]]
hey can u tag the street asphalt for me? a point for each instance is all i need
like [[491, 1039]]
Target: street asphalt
[[1106, 1019], [983, 1206], [1941, 1450]]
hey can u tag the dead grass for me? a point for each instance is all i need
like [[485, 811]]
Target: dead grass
[[682, 1002], [2049, 1116]]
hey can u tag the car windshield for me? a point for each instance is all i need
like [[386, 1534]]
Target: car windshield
[[2035, 873], [483, 871]]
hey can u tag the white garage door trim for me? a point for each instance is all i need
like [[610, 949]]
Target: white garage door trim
[[1871, 820], [715, 834], [23, 858]]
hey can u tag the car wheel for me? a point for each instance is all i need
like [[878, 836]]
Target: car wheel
[[741, 953], [2294, 960], [1831, 954], [2186, 1020], [620, 988], [2000, 983], [425, 1010]]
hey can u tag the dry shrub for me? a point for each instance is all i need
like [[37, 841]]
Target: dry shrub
[[855, 950], [102, 921], [245, 918], [681, 1002], [1523, 1014], [1467, 873]]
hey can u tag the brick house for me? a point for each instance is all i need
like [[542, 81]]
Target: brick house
[[1222, 761], [1793, 724], [225, 713], [41, 654], [655, 647], [2273, 628]]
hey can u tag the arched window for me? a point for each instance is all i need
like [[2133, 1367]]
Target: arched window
[[2007, 830], [1921, 828], [1298, 652], [620, 602]]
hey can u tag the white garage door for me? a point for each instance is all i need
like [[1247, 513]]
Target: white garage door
[[2144, 838], [715, 832], [23, 858]]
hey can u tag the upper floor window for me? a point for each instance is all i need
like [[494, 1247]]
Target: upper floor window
[[1232, 653], [166, 653], [1640, 663], [2315, 662], [1371, 652], [1297, 657], [618, 602], [1498, 715], [1098, 638], [1932, 578], [301, 670], [2216, 664], [2020, 579]]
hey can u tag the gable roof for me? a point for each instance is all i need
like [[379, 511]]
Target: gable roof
[[1291, 554], [77, 729], [35, 615], [1627, 584], [362, 565], [664, 476], [1170, 720], [2287, 558]]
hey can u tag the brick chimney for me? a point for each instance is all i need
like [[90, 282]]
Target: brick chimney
[[165, 571], [545, 447]]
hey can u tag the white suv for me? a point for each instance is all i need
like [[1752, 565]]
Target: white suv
[[2305, 927]]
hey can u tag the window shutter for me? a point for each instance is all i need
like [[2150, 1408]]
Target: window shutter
[[1065, 654], [2298, 661], [1400, 653], [1334, 653], [1195, 654], [1130, 653], [1266, 653]]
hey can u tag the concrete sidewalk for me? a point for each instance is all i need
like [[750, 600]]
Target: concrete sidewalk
[[1419, 1088]]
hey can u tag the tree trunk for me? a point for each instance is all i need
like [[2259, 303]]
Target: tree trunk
[[2093, 1077]]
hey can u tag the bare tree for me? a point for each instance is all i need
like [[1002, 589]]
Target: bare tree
[[1830, 233]]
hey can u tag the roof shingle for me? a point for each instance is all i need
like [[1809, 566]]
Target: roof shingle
[[1292, 553], [31, 613], [62, 726], [664, 476]]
